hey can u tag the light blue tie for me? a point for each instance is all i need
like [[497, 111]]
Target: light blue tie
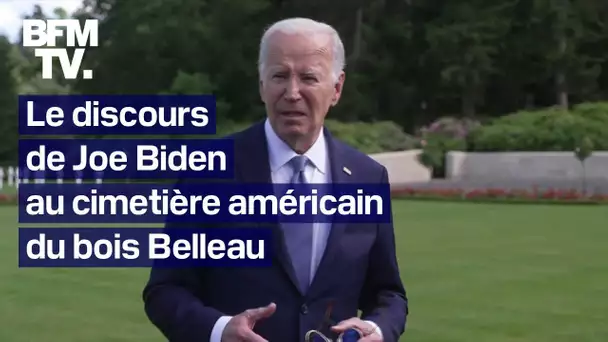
[[298, 236]]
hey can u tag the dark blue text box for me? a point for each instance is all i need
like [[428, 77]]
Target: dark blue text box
[[209, 203], [144, 247], [116, 114], [127, 158]]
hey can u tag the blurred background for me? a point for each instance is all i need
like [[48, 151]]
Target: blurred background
[[492, 118]]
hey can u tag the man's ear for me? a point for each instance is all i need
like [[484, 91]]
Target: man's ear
[[261, 90], [338, 88]]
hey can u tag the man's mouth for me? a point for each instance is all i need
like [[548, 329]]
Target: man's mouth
[[292, 114]]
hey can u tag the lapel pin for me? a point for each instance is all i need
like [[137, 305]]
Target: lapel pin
[[346, 170]]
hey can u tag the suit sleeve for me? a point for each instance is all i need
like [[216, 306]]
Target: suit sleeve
[[383, 300], [172, 303]]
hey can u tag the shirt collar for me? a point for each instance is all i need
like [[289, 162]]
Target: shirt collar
[[280, 153]]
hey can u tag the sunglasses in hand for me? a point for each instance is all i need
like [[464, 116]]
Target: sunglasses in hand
[[350, 335]]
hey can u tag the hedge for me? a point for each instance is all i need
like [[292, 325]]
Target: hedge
[[551, 129], [583, 129]]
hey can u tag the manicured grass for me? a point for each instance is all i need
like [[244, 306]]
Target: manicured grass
[[474, 272]]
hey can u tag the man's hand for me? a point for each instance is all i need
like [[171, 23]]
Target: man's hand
[[368, 331], [240, 327]]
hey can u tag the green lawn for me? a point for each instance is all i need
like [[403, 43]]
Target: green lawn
[[474, 273]]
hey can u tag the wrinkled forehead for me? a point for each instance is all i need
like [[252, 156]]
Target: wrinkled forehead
[[305, 50]]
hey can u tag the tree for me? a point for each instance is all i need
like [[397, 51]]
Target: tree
[[9, 123], [466, 39]]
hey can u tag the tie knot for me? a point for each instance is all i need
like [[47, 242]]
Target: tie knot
[[298, 163]]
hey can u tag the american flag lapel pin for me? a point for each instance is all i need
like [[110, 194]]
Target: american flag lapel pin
[[346, 170]]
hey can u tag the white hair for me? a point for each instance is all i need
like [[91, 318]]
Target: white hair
[[305, 26]]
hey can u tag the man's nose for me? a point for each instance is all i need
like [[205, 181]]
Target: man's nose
[[292, 91]]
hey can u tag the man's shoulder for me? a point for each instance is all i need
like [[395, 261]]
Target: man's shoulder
[[245, 138], [362, 161]]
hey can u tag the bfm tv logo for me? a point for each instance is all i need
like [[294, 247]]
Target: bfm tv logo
[[43, 33]]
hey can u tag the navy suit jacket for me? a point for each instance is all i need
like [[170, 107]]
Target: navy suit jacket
[[358, 271]]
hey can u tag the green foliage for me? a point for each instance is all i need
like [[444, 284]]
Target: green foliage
[[382, 136], [455, 128], [550, 129], [8, 105], [406, 61], [196, 84], [435, 149], [594, 111], [442, 136], [226, 128], [584, 150]]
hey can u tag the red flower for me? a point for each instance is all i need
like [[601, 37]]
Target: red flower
[[567, 195]]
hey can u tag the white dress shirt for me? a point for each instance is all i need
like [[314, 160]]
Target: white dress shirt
[[279, 154]]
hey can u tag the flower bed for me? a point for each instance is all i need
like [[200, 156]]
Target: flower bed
[[9, 199], [502, 195], [478, 195]]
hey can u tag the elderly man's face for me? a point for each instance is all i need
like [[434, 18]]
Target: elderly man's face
[[298, 88]]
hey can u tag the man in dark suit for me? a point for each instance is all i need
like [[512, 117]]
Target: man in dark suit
[[347, 267]]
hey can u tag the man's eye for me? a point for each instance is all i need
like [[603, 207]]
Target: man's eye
[[279, 76]]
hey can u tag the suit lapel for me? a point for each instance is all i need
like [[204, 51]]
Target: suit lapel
[[252, 167], [341, 172]]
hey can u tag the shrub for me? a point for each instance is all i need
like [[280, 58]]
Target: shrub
[[551, 129], [594, 111], [450, 127], [381, 136], [228, 127], [440, 137]]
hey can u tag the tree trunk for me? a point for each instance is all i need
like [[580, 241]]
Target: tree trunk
[[469, 101], [561, 82], [562, 89], [357, 37]]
